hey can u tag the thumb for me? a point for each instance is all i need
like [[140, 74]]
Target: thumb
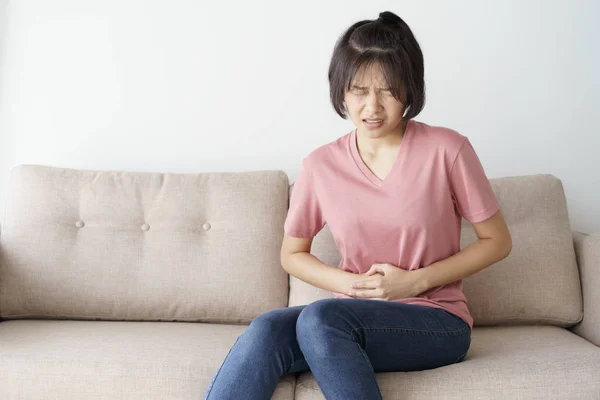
[[373, 270]]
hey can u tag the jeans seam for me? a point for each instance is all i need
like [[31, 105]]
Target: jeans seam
[[219, 370], [462, 356], [366, 357], [428, 331]]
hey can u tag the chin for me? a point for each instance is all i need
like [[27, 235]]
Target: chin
[[376, 133]]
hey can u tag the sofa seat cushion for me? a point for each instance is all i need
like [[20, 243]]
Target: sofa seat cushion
[[504, 362], [114, 359]]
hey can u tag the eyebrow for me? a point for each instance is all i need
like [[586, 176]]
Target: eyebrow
[[364, 87]]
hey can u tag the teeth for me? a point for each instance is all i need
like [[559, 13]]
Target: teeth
[[373, 121]]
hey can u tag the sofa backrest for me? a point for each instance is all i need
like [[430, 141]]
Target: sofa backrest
[[537, 283], [142, 246], [205, 247]]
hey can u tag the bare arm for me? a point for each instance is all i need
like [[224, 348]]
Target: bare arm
[[297, 261], [493, 245]]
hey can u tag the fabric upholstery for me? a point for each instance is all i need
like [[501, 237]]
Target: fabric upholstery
[[73, 360], [142, 246], [587, 247]]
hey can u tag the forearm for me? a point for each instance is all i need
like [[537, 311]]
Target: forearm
[[310, 269], [468, 261]]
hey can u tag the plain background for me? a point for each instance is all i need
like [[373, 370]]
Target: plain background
[[194, 86]]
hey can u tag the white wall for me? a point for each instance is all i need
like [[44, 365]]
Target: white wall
[[190, 86]]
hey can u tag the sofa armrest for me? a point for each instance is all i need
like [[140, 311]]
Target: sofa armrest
[[587, 251], [1, 260]]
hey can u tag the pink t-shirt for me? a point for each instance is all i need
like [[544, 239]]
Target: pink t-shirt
[[410, 219]]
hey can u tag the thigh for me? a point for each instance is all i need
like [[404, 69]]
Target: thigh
[[401, 337]]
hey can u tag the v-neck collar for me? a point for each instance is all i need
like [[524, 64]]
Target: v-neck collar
[[374, 179]]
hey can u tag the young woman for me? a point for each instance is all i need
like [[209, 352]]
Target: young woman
[[393, 192]]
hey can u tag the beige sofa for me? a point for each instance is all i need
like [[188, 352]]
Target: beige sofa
[[120, 285]]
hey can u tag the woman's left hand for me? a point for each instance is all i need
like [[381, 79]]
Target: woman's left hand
[[385, 282]]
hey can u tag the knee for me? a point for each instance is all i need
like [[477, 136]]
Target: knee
[[316, 317], [269, 328]]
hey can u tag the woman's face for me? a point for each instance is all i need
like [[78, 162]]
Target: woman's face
[[371, 106]]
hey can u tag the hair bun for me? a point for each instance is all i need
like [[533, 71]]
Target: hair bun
[[390, 17]]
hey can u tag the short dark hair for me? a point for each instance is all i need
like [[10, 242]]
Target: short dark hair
[[389, 42]]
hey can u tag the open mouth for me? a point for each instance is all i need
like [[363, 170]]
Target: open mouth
[[374, 123]]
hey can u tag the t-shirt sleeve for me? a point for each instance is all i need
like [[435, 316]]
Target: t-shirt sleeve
[[305, 217], [472, 192]]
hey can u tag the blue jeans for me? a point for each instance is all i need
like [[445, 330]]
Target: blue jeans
[[343, 342]]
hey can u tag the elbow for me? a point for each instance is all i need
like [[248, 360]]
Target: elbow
[[506, 247], [283, 256], [284, 259], [507, 251], [501, 247]]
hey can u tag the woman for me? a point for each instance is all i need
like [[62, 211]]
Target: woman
[[392, 192]]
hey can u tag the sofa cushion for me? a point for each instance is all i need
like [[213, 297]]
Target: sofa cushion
[[142, 246], [537, 283], [508, 362], [115, 359]]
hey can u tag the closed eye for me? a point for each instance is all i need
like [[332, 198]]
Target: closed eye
[[356, 89]]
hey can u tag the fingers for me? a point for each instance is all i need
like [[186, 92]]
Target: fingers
[[364, 285], [365, 292]]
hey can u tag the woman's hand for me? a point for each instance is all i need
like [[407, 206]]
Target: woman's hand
[[385, 282]]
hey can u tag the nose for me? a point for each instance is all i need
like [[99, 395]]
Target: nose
[[372, 101]]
